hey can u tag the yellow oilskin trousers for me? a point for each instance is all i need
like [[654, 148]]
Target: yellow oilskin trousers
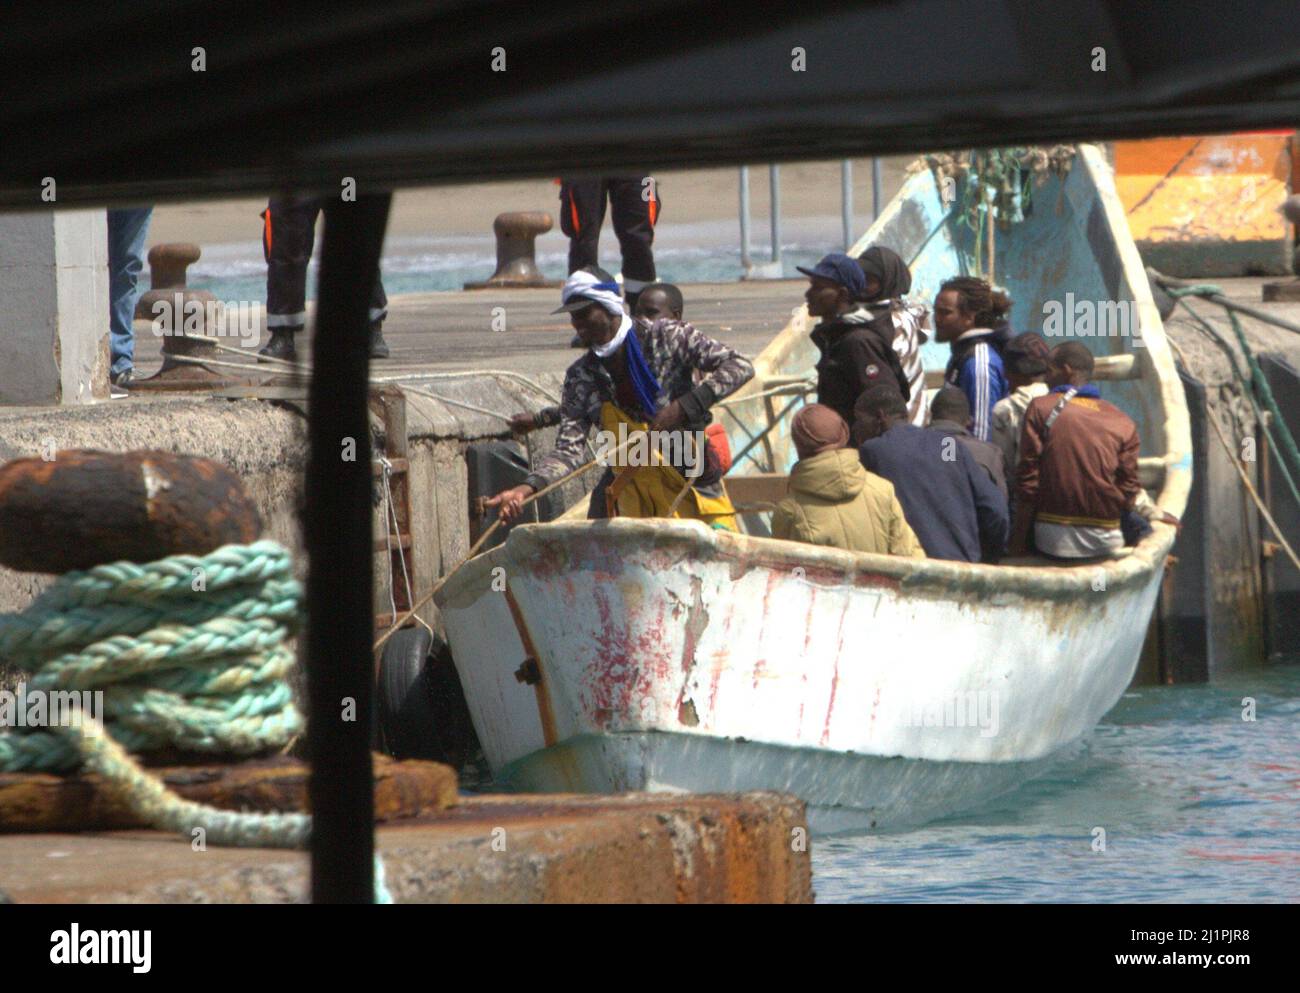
[[649, 490]]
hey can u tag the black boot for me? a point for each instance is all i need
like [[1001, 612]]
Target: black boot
[[378, 347], [280, 346]]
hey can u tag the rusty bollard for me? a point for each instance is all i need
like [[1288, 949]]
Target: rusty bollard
[[83, 508], [516, 250], [177, 314], [167, 265], [1289, 289]]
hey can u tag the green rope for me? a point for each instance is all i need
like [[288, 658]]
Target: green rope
[[189, 652], [200, 669], [1257, 385]]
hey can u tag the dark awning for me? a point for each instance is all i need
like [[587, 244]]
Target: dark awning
[[104, 98]]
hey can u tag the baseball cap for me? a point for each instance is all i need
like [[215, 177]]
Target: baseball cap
[[840, 268]]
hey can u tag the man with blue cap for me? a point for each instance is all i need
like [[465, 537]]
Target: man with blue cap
[[637, 376], [854, 352]]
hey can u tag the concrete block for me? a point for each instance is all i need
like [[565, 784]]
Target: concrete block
[[637, 848], [54, 325]]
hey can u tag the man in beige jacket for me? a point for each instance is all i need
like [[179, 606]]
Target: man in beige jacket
[[833, 501]]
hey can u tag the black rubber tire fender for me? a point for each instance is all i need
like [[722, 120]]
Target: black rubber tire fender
[[405, 696]]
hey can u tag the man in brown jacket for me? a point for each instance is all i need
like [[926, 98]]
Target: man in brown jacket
[[1078, 470], [834, 501]]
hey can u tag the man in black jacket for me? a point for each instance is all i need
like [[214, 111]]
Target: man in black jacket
[[855, 352]]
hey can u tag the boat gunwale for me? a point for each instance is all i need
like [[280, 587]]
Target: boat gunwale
[[697, 540]]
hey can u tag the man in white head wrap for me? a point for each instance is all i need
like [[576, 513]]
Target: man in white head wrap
[[645, 371]]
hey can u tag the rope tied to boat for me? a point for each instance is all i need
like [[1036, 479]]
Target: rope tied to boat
[[1256, 387], [188, 652]]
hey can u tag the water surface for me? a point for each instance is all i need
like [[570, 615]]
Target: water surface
[[1197, 805]]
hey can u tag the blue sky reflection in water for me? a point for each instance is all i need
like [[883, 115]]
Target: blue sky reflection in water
[[1197, 805]]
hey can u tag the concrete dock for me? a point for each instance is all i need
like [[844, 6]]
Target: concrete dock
[[751, 848], [455, 330]]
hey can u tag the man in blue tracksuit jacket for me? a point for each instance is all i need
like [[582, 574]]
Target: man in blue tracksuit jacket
[[969, 315]]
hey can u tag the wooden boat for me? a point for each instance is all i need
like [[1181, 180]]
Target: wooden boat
[[663, 655]]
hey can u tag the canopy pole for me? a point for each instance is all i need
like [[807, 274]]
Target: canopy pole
[[337, 531]]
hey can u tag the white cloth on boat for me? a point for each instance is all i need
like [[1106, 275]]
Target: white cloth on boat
[[1076, 541]]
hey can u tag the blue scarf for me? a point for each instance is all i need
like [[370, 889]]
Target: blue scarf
[[1087, 390], [643, 379]]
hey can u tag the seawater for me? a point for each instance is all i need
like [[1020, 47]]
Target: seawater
[[684, 253], [1196, 804]]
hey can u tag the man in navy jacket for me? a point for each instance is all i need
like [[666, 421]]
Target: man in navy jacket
[[956, 510]]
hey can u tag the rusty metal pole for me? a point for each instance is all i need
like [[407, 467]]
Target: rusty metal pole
[[340, 607]]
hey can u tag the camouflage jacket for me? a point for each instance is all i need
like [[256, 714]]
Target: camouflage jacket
[[675, 352]]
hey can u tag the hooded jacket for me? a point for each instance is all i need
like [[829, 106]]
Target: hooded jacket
[[834, 502], [856, 352], [896, 317]]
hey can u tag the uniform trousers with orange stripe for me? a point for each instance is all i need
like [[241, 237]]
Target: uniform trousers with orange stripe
[[634, 205], [288, 236]]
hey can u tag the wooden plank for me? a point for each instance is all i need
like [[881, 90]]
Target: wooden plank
[[400, 467], [762, 487], [395, 541], [1151, 474], [31, 802]]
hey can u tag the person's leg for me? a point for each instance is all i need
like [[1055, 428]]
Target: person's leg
[[596, 509], [127, 231], [582, 212], [635, 206], [378, 314], [288, 236]]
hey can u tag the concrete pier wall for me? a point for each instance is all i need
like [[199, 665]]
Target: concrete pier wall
[[265, 444]]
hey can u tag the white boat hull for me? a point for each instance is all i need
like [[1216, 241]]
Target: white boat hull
[[674, 657]]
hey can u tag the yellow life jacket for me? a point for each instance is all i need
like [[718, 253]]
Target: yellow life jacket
[[650, 490]]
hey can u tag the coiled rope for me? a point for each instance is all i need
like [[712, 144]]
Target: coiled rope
[[189, 652]]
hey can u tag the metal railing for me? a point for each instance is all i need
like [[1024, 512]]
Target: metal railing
[[774, 268]]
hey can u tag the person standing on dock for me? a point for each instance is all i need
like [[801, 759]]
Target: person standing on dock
[[969, 315], [288, 237], [857, 351], [635, 206], [1078, 471], [956, 510], [888, 281], [636, 377], [127, 229]]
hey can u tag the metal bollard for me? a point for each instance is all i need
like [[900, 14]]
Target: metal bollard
[[77, 509], [516, 234], [167, 265], [176, 311]]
